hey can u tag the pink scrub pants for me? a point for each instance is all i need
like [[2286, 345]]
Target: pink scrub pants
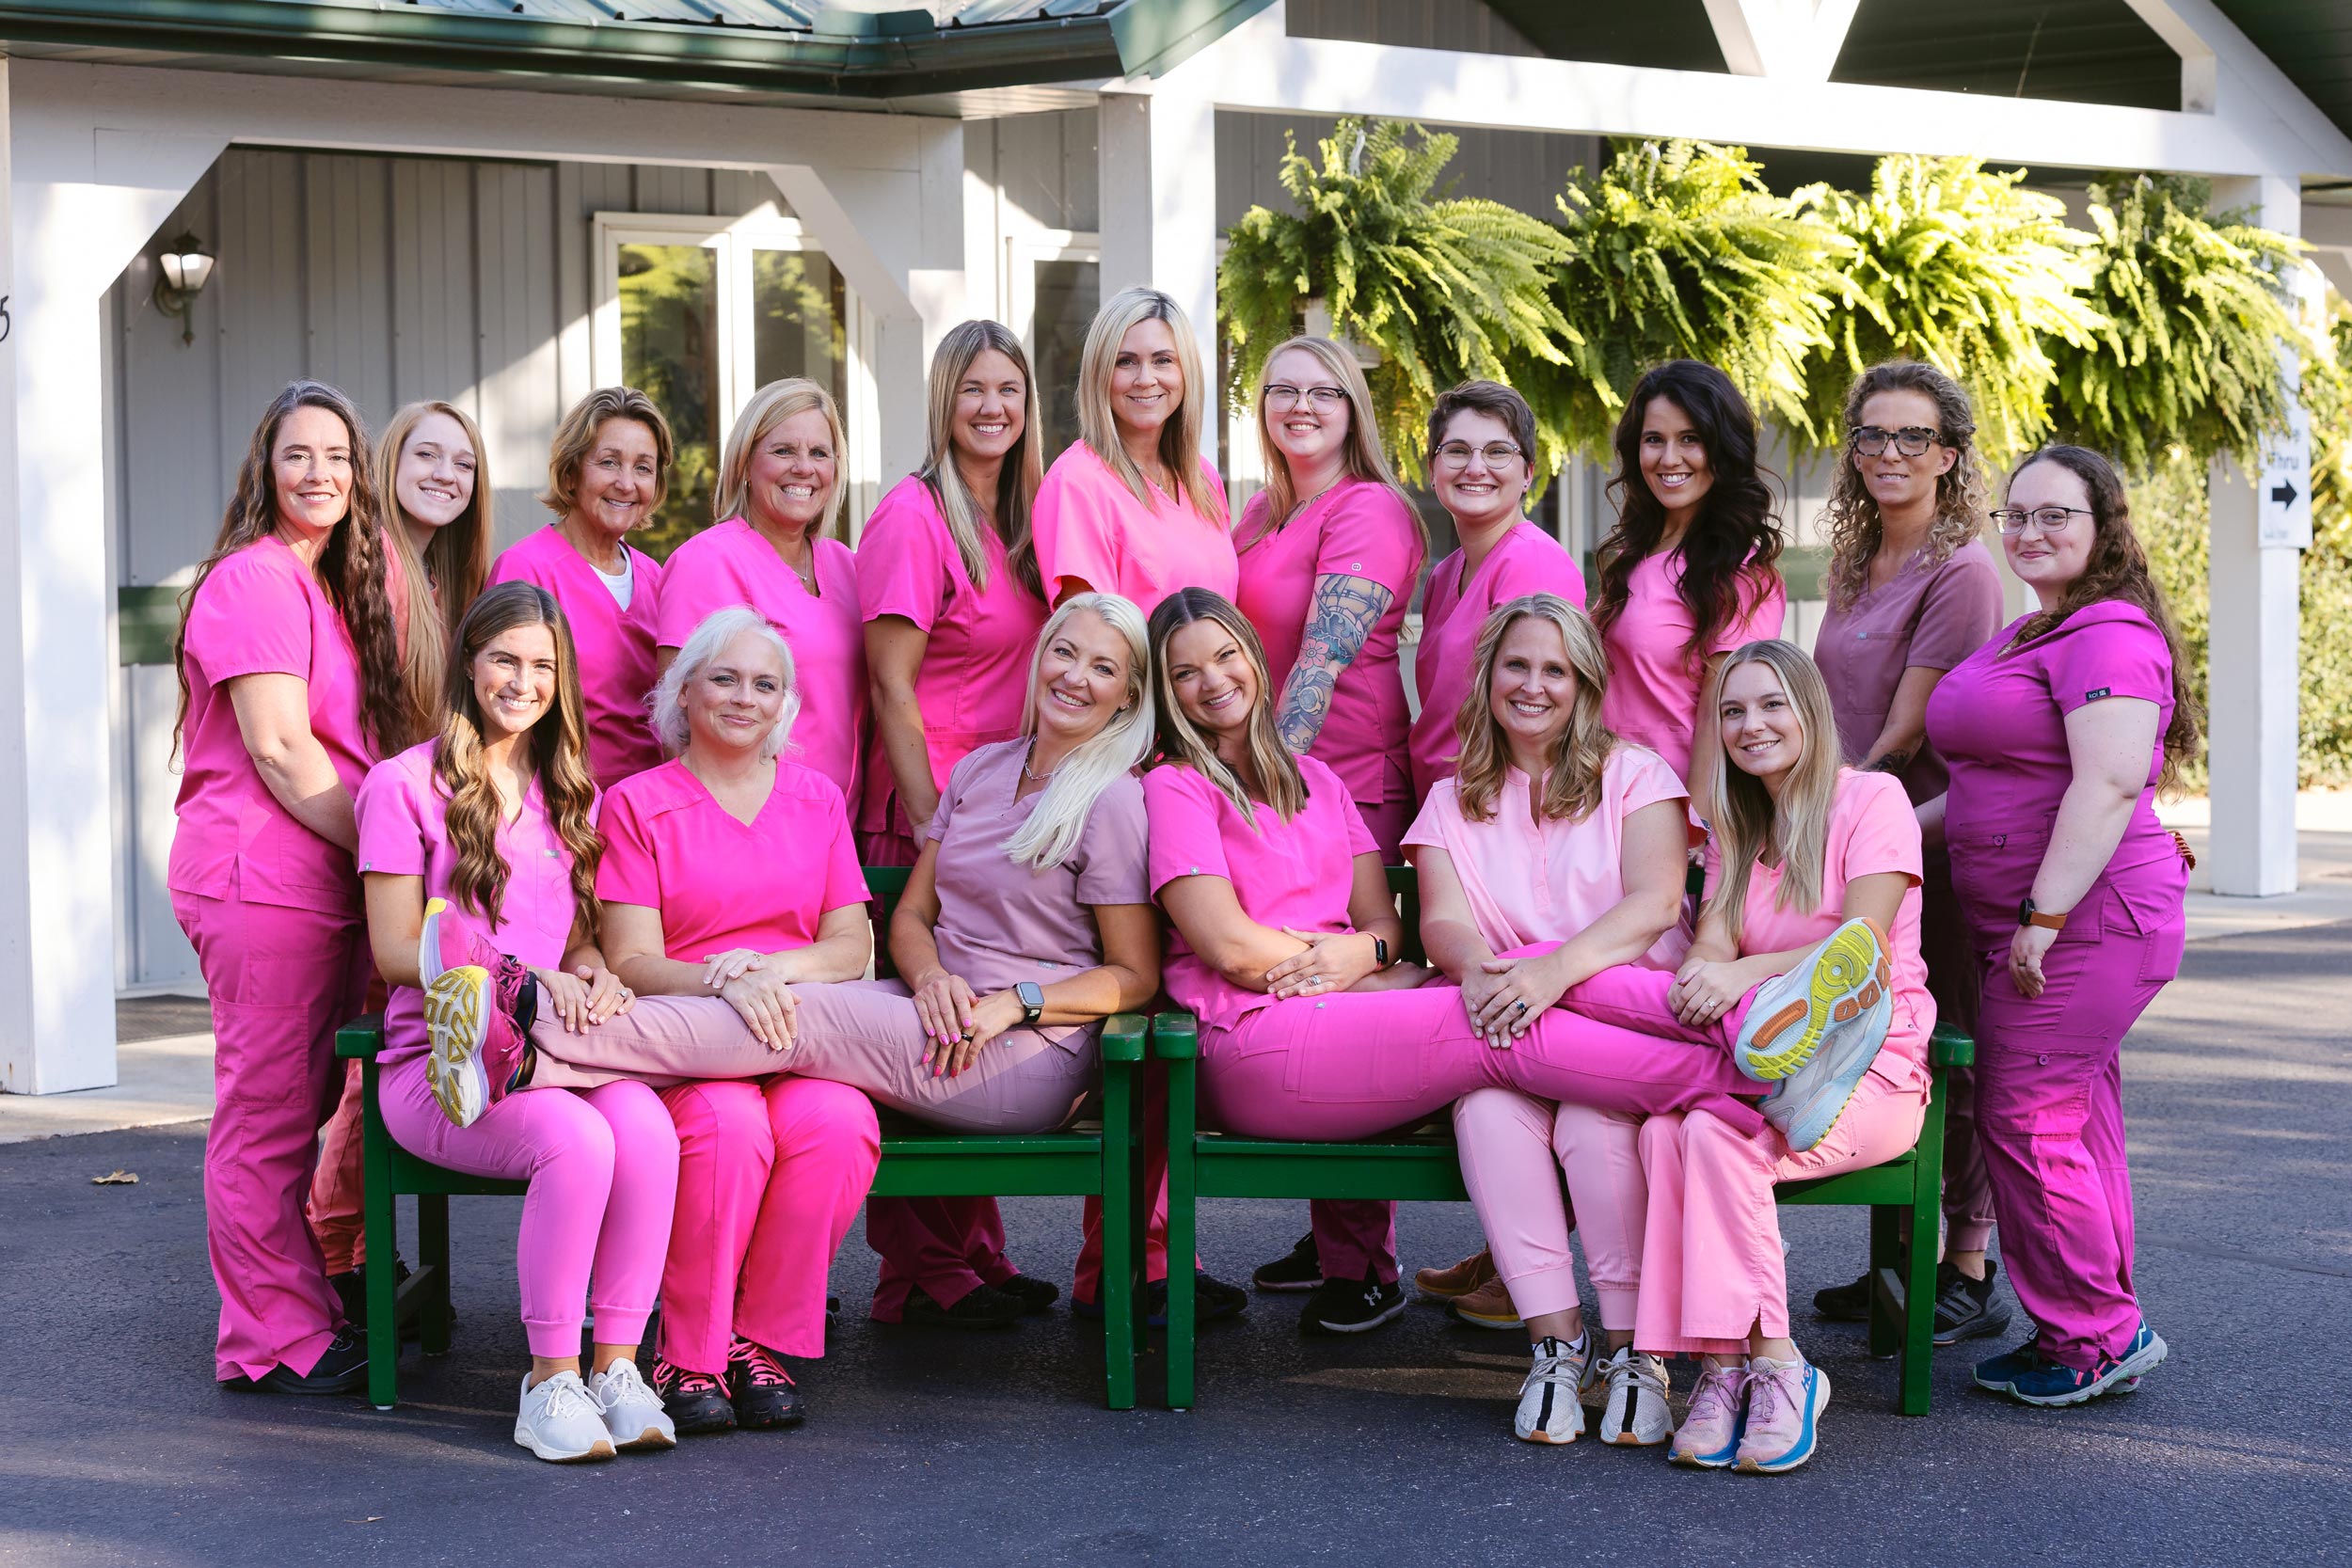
[[281, 982], [1514, 1151], [603, 1169]]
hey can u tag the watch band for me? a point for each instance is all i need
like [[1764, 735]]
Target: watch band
[[1380, 951], [1032, 998], [2049, 920]]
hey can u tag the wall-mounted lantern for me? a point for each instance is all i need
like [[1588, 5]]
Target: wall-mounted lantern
[[181, 271]]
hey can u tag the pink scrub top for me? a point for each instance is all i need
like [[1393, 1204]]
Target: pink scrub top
[[1530, 882], [1999, 719], [260, 611], [1872, 829], [730, 565], [1526, 559], [1001, 922], [1299, 873], [1653, 695], [719, 883], [1090, 525], [404, 832], [974, 681], [1930, 617], [1356, 528], [616, 645]]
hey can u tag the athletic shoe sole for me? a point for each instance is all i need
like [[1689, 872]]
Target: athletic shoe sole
[[1974, 1327], [647, 1441], [1322, 1326], [1481, 1320], [595, 1452], [1721, 1458], [2121, 1378], [1285, 1286], [456, 1008], [1816, 1400], [1839, 986]]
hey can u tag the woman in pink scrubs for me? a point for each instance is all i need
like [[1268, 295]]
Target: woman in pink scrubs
[[289, 686], [607, 473], [1133, 508], [2058, 734], [947, 584], [1912, 593], [780, 496], [1557, 851], [494, 821], [1482, 441], [1687, 575]]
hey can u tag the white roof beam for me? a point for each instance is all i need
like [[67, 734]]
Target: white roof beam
[[2223, 74], [1788, 40]]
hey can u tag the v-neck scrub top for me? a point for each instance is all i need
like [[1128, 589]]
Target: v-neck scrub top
[[719, 883], [1930, 616], [730, 565], [1653, 695], [1526, 559], [1090, 525], [616, 645]]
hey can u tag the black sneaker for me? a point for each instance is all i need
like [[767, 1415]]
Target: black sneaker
[[759, 1389], [1300, 1270], [1964, 1308], [982, 1306], [352, 1291], [1351, 1305], [341, 1368], [697, 1401], [1035, 1295], [1844, 1303]]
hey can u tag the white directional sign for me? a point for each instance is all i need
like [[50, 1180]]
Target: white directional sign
[[2282, 490]]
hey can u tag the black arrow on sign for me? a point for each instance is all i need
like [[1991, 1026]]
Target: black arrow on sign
[[2283, 493]]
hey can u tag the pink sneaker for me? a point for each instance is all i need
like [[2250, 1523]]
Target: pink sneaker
[[1785, 1403], [1709, 1435], [477, 1017]]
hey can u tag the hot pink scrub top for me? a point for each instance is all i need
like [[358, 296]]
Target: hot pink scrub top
[[1999, 719], [1524, 560], [1298, 873], [404, 832], [1530, 882], [731, 564], [616, 645], [974, 680], [1001, 922], [1930, 617], [720, 883], [1653, 694], [1872, 829], [260, 611], [1090, 525], [1356, 528]]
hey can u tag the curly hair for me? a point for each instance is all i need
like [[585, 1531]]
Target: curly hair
[[1851, 517], [1578, 755]]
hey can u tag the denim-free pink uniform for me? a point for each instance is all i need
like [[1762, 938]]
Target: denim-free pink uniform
[[614, 645], [1654, 677], [2049, 1070], [1526, 559], [1530, 886], [769, 1179], [1090, 525], [602, 1162]]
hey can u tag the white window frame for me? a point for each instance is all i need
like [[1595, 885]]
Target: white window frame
[[1023, 252]]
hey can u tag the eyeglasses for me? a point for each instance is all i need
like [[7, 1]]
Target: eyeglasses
[[1456, 455], [1282, 398], [2049, 519], [1913, 440]]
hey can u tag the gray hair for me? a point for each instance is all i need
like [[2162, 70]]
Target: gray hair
[[708, 642]]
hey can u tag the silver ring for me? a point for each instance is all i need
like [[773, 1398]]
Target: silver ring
[[1518, 1006]]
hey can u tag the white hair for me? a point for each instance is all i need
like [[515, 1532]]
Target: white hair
[[1047, 838], [709, 640]]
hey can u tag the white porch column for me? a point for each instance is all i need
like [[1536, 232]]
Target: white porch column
[[2256, 622], [1157, 156], [77, 200]]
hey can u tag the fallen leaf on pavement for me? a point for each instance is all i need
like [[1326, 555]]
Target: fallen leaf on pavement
[[115, 1179]]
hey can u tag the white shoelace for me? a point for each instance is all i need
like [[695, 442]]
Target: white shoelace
[[1637, 1370], [1716, 1396], [622, 1381], [1780, 1384], [563, 1393]]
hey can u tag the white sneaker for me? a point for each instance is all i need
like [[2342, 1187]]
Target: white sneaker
[[1549, 1408], [1636, 1415], [560, 1421], [632, 1411]]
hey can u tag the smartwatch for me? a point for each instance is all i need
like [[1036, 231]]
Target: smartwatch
[[1032, 997], [1380, 951], [2028, 915]]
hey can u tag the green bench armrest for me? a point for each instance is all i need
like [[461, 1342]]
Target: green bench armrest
[[1123, 1036], [1175, 1037], [1949, 1047], [362, 1039]]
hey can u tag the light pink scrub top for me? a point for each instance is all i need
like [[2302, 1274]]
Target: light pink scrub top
[[404, 832], [1001, 922], [1530, 882], [1930, 617], [1090, 525], [260, 611], [974, 679], [1298, 873], [720, 883], [1872, 829], [730, 565], [1526, 559], [1653, 694], [1356, 528], [616, 645]]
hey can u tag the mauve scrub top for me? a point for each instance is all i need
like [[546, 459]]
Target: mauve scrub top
[[1930, 617]]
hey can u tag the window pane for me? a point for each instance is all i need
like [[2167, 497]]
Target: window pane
[[670, 352], [1068, 294], [798, 316]]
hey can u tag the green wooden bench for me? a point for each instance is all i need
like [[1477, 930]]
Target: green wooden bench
[[1097, 1157], [1422, 1164]]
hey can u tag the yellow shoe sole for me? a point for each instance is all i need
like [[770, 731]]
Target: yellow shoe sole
[[452, 1020], [1849, 976]]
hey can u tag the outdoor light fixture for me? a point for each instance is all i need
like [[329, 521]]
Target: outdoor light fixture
[[183, 270]]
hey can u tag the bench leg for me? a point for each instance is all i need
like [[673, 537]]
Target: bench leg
[[1886, 1275], [1120, 1238], [433, 1253], [1926, 1216], [380, 1227], [1182, 1200]]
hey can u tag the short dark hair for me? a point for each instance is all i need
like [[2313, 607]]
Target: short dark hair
[[1483, 397]]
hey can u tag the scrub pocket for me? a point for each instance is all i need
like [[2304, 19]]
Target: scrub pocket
[[2039, 1089], [1331, 1064]]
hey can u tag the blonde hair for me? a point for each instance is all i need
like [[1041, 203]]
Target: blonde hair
[[456, 564], [1181, 740], [1048, 835], [1362, 457], [1745, 818], [769, 408], [1576, 758], [1851, 517], [576, 438], [1023, 470], [708, 641], [1180, 437]]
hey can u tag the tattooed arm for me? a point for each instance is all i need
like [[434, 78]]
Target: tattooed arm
[[1343, 615]]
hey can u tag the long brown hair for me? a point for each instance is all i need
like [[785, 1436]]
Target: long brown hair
[[1746, 819], [1017, 480], [2118, 569], [1851, 517], [350, 567], [1577, 758], [1181, 740], [558, 750], [454, 565]]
